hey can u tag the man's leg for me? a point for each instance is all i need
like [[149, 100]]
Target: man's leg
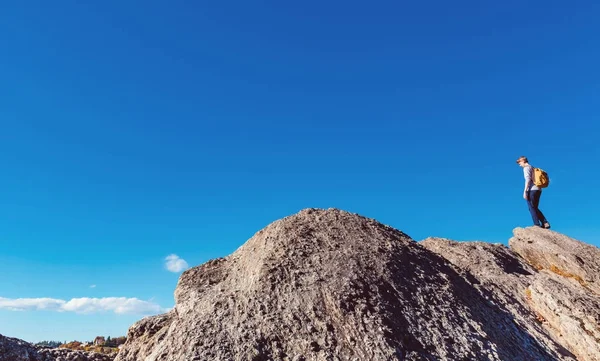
[[540, 215], [532, 204]]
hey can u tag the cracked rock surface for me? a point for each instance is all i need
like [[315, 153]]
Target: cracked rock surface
[[332, 285]]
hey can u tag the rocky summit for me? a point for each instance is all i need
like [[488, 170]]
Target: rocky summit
[[12, 349], [331, 285]]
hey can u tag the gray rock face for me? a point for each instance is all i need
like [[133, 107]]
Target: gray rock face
[[566, 292], [12, 349], [59, 354], [330, 285], [559, 254], [503, 277]]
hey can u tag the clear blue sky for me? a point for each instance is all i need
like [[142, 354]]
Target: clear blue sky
[[136, 130]]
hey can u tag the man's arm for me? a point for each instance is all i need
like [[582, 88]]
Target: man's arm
[[528, 182]]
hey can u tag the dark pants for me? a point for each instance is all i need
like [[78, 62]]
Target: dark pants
[[533, 202]]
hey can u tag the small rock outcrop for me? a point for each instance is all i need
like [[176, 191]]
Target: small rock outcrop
[[12, 349], [559, 254], [331, 285], [544, 274], [566, 292]]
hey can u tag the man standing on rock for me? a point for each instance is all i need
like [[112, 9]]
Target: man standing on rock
[[532, 194]]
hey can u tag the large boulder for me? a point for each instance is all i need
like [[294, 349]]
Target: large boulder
[[331, 285], [566, 293], [548, 250], [13, 349], [508, 280]]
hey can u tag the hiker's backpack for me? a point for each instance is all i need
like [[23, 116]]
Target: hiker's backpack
[[540, 178]]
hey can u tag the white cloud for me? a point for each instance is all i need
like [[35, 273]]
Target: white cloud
[[175, 264], [118, 305], [92, 286], [36, 304]]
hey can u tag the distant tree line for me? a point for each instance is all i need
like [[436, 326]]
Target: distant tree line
[[51, 344], [77, 345], [115, 342]]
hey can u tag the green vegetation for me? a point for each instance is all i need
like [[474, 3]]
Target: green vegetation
[[51, 344]]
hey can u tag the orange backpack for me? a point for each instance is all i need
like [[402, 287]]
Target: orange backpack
[[540, 178]]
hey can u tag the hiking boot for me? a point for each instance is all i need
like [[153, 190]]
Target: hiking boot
[[546, 225]]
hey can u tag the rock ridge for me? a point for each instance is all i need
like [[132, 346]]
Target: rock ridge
[[332, 285]]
